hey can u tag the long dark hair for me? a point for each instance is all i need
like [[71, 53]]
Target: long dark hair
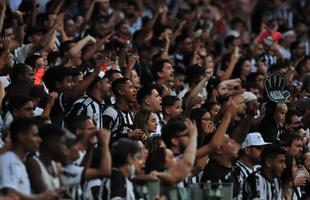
[[287, 175], [156, 160]]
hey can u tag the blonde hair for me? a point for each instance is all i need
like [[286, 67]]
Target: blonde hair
[[281, 107]]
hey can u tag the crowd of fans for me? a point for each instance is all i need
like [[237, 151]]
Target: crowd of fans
[[97, 95]]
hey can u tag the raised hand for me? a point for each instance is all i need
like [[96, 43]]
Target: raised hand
[[104, 136], [132, 61], [6, 44], [234, 103], [275, 90], [136, 133], [191, 127]]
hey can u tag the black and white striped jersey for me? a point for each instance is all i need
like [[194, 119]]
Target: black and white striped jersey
[[257, 186], [268, 59], [89, 106], [118, 121], [244, 171]]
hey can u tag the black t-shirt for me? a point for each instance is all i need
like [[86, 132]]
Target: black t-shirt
[[60, 108], [216, 172]]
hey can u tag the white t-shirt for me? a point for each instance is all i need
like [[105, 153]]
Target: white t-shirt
[[13, 173]]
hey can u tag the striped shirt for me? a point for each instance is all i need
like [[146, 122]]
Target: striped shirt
[[268, 59], [244, 171], [120, 121], [89, 106], [257, 186]]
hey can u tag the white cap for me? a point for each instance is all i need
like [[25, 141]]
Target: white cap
[[249, 96], [253, 139], [234, 33]]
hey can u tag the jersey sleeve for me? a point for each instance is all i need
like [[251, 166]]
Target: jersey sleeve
[[72, 175]]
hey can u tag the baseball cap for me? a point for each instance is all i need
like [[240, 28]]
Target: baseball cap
[[253, 139], [249, 96]]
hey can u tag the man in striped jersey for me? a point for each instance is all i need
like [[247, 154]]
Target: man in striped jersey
[[249, 155], [264, 183], [92, 103]]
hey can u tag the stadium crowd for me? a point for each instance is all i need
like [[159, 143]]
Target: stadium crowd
[[99, 96]]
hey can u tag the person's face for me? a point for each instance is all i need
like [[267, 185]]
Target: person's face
[[36, 37], [229, 148], [135, 79], [294, 169], [178, 82], [214, 110], [206, 120], [40, 63], [246, 68], [183, 140], [28, 74], [151, 124], [8, 32], [31, 140], [169, 32], [176, 109], [260, 82], [154, 101], [144, 151], [25, 111], [167, 72], [307, 161], [280, 115], [300, 51], [187, 45], [139, 163], [88, 132], [223, 90], [67, 83], [105, 87], [210, 62], [259, 50], [104, 5], [170, 160], [253, 105], [69, 27], [304, 136], [255, 153], [60, 151], [278, 165], [295, 148], [129, 91], [295, 122]]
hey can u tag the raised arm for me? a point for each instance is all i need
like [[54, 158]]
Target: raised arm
[[130, 65], [184, 167], [106, 162], [195, 91], [46, 40], [2, 13], [230, 110], [233, 61], [89, 54], [78, 90], [77, 48]]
